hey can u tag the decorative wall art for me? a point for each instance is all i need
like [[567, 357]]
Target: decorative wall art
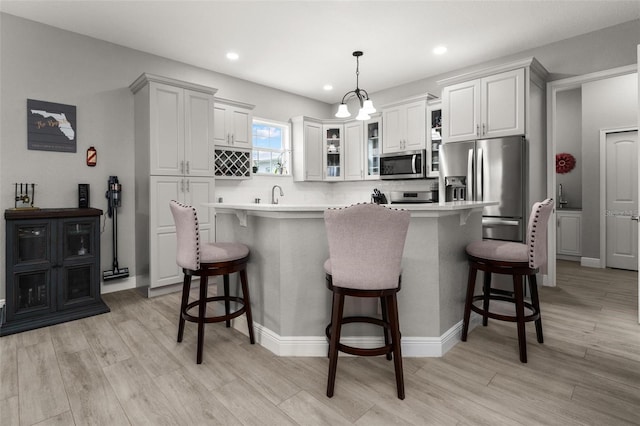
[[51, 126], [565, 162]]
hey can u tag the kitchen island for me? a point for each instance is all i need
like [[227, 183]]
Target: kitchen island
[[291, 304]]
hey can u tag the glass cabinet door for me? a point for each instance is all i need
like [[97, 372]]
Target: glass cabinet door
[[76, 276], [33, 243], [373, 149], [77, 239], [436, 141], [333, 152], [32, 292]]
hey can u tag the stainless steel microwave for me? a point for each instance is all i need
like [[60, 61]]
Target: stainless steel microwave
[[403, 165]]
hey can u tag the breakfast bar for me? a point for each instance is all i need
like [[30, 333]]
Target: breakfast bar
[[290, 301]]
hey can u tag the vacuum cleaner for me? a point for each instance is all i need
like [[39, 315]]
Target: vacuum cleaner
[[113, 195]]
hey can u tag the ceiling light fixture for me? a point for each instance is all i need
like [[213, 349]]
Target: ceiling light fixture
[[439, 50], [366, 106], [327, 87], [232, 56]]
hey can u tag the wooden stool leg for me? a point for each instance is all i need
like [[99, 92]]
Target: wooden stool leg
[[519, 300], [336, 326], [395, 337], [186, 288], [535, 301], [486, 291], [385, 318], [226, 298], [202, 311], [247, 303], [471, 285]]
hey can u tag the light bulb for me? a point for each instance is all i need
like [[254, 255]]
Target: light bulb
[[368, 107], [343, 111]]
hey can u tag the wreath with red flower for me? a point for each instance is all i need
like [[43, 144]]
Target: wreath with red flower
[[565, 162]]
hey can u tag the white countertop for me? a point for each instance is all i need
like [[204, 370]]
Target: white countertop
[[417, 207]]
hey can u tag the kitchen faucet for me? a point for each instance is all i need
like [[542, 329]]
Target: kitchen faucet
[[561, 202], [273, 192]]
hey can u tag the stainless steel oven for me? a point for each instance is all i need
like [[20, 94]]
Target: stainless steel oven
[[403, 165]]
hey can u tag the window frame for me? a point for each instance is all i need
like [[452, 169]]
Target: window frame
[[285, 150]]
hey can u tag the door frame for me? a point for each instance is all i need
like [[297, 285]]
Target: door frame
[[603, 181], [553, 88]]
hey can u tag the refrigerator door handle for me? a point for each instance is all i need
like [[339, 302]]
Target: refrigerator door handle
[[489, 221], [470, 190], [479, 177]]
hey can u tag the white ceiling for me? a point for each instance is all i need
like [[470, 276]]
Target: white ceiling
[[299, 46]]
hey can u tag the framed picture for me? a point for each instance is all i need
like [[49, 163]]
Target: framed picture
[[51, 126]]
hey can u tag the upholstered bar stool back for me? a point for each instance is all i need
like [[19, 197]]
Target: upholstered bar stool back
[[366, 242], [204, 260], [520, 260]]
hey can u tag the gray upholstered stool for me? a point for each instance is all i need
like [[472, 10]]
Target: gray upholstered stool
[[520, 261], [366, 242], [205, 260]]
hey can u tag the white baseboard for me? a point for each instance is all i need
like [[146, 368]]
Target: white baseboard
[[117, 285], [313, 346], [591, 262]]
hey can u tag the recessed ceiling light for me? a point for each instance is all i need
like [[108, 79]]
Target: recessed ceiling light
[[232, 56], [327, 87], [439, 50]]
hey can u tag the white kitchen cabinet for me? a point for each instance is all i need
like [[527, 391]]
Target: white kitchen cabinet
[[434, 138], [173, 157], [308, 149], [233, 122], [569, 235], [162, 245], [353, 150], [180, 123], [404, 125], [487, 107]]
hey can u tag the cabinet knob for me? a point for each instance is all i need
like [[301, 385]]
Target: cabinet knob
[[483, 130], [477, 130], [187, 172]]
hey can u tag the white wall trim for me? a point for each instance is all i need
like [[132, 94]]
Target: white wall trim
[[603, 189], [316, 346], [553, 88], [121, 284], [591, 262]]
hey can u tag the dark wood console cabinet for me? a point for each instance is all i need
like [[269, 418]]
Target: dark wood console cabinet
[[52, 267]]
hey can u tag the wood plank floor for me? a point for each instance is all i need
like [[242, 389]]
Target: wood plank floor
[[125, 368]]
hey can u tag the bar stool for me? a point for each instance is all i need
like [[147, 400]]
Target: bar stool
[[366, 242], [510, 258], [205, 260]]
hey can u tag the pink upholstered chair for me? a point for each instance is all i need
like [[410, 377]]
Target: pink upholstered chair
[[516, 259], [204, 260], [366, 242]]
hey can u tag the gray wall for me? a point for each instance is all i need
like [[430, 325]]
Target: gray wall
[[569, 140], [606, 104], [45, 63]]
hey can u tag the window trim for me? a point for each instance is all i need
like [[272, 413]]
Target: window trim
[[286, 140]]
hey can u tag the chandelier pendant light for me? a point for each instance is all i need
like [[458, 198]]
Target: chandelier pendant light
[[366, 106]]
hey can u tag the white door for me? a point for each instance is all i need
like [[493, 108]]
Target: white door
[[415, 122], [502, 110], [167, 129], [353, 147], [392, 130], [461, 112], [198, 134], [622, 200], [313, 151]]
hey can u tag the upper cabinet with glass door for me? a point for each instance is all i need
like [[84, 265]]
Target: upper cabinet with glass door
[[434, 138], [373, 147], [334, 151]]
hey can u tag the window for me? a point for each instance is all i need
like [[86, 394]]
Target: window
[[271, 147]]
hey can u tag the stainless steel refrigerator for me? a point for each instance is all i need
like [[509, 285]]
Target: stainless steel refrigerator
[[489, 170]]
